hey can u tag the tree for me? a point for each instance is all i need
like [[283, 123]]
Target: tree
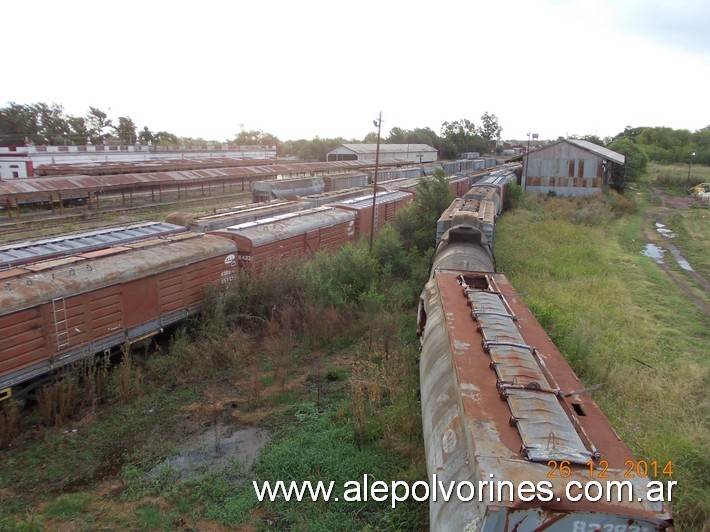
[[490, 129], [18, 122], [255, 137], [78, 131], [98, 123], [54, 128], [125, 131], [145, 136], [464, 135], [636, 163], [416, 222], [163, 138]]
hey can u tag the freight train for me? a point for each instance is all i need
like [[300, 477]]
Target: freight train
[[68, 297], [508, 427], [65, 298]]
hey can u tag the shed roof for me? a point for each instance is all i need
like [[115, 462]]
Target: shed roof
[[601, 151]]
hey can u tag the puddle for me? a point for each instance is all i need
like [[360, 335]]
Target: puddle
[[680, 259], [655, 252], [214, 450], [664, 231]]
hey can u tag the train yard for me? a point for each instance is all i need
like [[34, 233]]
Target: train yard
[[255, 234]]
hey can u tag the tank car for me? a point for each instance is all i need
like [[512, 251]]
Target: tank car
[[501, 410]]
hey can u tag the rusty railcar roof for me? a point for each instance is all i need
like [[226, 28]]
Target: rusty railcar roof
[[364, 202], [499, 401], [41, 249], [31, 285], [267, 230]]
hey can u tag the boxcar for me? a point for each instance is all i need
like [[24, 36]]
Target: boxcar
[[386, 205], [236, 215], [484, 211], [342, 181], [290, 235], [56, 312]]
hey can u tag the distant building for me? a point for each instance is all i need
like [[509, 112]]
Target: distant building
[[569, 167], [24, 161], [414, 153]]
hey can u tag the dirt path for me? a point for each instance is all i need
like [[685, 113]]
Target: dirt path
[[657, 215]]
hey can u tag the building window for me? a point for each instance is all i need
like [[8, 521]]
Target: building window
[[580, 169], [570, 170]]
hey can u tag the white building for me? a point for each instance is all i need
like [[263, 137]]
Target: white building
[[22, 161]]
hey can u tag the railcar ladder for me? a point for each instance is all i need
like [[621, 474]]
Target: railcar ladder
[[60, 323]]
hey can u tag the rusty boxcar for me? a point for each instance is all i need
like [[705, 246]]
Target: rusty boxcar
[[290, 235], [483, 210], [386, 205], [55, 312], [502, 409]]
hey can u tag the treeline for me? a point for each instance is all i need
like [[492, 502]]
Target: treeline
[[49, 124], [667, 145]]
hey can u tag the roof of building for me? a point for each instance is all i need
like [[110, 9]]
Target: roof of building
[[388, 148], [601, 151]]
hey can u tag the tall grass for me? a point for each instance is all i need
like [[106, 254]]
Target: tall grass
[[620, 321], [678, 177]]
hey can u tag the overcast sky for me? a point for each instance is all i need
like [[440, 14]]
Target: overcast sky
[[306, 68]]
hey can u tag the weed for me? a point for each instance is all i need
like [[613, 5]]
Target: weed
[[10, 421], [68, 507]]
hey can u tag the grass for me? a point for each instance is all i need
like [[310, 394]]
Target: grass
[[325, 358], [675, 177], [619, 320], [256, 351]]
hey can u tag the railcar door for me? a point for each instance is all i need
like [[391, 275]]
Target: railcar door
[[140, 301]]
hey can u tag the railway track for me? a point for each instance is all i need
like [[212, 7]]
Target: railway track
[[42, 223]]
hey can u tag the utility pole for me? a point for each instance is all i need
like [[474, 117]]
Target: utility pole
[[378, 123]]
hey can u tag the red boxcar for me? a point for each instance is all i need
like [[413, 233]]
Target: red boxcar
[[55, 312], [290, 235], [386, 205]]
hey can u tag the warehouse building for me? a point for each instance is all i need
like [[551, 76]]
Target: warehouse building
[[569, 167], [413, 153]]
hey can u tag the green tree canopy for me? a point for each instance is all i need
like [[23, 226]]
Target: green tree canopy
[[636, 163], [125, 131]]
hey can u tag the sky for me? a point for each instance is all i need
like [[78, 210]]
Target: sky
[[307, 68]]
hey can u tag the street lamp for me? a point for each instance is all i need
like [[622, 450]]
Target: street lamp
[[378, 123], [690, 163]]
